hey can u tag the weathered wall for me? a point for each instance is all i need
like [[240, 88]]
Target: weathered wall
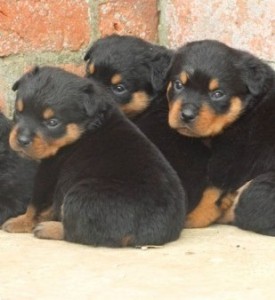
[[58, 32]]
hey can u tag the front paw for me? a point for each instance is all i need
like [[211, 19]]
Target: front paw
[[199, 220], [49, 230], [19, 224], [227, 201]]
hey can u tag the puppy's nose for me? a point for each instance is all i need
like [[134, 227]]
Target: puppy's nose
[[24, 140], [188, 114]]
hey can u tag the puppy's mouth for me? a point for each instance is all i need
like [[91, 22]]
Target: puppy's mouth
[[186, 130], [183, 119], [205, 121], [26, 153], [40, 147], [23, 154], [37, 150]]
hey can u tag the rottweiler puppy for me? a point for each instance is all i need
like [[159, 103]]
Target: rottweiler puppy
[[16, 176], [227, 96], [134, 71], [100, 181]]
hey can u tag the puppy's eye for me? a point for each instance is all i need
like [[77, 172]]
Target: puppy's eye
[[119, 89], [52, 123], [178, 86], [217, 95]]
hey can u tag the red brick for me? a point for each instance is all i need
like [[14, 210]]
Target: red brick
[[74, 68], [78, 69], [133, 17], [28, 25], [242, 24]]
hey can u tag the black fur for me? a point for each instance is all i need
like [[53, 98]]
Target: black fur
[[143, 67], [256, 207], [16, 176], [245, 148], [111, 182]]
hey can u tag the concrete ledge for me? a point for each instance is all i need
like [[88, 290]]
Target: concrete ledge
[[221, 262]]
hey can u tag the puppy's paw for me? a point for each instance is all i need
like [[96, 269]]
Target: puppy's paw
[[227, 201], [200, 220], [49, 230], [20, 224]]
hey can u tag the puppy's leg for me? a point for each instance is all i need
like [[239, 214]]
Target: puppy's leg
[[27, 221], [90, 215], [49, 230], [255, 209], [207, 211], [22, 223], [229, 215]]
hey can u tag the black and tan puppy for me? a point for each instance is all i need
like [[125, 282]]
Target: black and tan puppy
[[134, 71], [100, 181], [16, 176], [228, 96]]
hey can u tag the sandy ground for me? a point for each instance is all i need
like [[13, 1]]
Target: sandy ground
[[220, 262]]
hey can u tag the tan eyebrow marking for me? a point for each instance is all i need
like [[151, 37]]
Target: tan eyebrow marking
[[116, 79], [48, 113], [213, 84], [184, 77]]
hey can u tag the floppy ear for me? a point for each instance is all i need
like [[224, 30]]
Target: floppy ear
[[88, 54], [89, 63], [30, 73], [159, 69], [16, 85], [89, 103], [256, 74], [95, 103]]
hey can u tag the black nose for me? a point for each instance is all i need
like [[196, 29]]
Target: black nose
[[188, 114], [24, 140]]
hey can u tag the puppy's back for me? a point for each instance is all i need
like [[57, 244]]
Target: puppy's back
[[130, 183]]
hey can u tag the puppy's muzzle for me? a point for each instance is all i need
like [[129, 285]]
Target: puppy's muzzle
[[189, 113], [24, 138], [23, 141]]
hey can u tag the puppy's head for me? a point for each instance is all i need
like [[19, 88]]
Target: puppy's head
[[53, 109], [211, 85], [133, 70]]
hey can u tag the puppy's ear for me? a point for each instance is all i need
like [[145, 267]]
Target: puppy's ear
[[94, 102], [89, 104], [35, 70], [88, 54], [159, 69], [256, 74], [96, 106], [32, 72], [89, 63], [16, 85]]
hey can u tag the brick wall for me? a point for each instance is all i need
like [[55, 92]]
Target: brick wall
[[57, 32]]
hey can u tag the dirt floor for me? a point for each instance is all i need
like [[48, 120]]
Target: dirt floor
[[221, 262]]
